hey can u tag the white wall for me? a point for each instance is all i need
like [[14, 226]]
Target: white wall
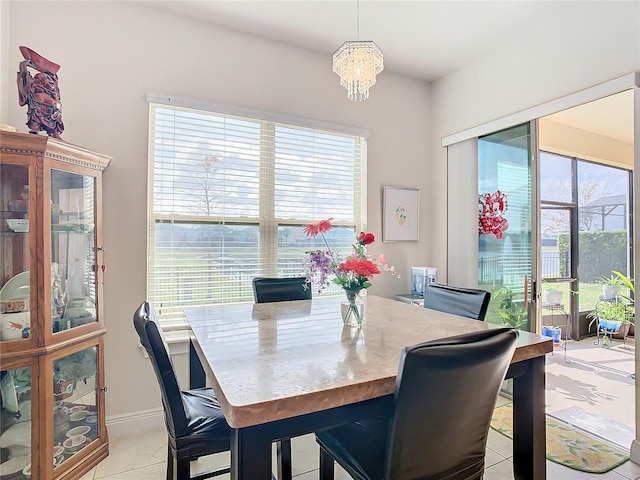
[[566, 54], [113, 53], [4, 59]]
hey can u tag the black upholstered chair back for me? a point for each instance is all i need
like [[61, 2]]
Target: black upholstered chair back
[[466, 302], [146, 324], [280, 289], [446, 391]]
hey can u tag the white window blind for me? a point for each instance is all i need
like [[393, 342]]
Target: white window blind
[[229, 197]]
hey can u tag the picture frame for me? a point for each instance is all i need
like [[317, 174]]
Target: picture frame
[[400, 214]]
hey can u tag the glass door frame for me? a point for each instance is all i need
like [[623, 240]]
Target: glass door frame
[[572, 279], [531, 290]]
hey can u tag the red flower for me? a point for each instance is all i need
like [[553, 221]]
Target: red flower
[[366, 238], [355, 273], [323, 226], [311, 230], [365, 268]]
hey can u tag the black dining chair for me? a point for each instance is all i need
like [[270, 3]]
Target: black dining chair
[[195, 424], [445, 394], [465, 302], [267, 289]]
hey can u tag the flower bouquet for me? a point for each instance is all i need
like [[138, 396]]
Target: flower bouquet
[[353, 274]]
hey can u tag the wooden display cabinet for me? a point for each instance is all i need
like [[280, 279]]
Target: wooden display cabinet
[[52, 392]]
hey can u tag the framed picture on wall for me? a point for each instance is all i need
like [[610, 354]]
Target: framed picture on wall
[[400, 214]]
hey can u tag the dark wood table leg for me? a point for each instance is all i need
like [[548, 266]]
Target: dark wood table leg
[[250, 454], [251, 446], [197, 377], [529, 429], [284, 459]]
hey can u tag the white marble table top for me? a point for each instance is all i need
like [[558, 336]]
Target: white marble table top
[[271, 361]]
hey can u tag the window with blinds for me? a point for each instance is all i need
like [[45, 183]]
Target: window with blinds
[[229, 197]]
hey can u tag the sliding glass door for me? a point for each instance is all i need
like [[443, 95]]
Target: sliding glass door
[[586, 227], [507, 225]]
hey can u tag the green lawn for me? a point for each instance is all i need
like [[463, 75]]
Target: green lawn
[[588, 296]]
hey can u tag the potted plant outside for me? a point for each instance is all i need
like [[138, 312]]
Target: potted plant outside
[[611, 286], [553, 332], [511, 312], [630, 284], [552, 296], [612, 318]]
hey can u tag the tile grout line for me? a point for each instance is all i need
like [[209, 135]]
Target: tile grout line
[[128, 470]]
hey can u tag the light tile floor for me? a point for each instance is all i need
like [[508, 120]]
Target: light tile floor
[[596, 380], [143, 457]]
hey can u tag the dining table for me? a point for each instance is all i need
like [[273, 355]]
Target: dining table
[[285, 369]]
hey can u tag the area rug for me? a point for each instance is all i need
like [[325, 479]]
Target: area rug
[[567, 446]]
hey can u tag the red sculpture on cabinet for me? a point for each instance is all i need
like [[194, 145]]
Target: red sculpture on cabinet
[[40, 93]]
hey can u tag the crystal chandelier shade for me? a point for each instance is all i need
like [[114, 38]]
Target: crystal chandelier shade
[[357, 63]]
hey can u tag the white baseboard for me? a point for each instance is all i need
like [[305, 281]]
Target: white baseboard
[[135, 422]]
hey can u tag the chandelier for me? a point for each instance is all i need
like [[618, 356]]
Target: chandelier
[[357, 63]]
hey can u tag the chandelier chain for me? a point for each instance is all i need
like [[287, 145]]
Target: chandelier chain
[[358, 20]]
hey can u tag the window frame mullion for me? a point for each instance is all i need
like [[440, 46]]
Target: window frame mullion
[[267, 224]]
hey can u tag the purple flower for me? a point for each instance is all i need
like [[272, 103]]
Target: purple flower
[[318, 268]]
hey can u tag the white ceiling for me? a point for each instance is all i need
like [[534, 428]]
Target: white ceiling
[[611, 116], [423, 39]]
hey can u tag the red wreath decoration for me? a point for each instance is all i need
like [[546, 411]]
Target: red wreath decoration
[[491, 210]]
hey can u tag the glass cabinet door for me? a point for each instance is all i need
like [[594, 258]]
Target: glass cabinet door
[[15, 304], [75, 406], [73, 275], [15, 423]]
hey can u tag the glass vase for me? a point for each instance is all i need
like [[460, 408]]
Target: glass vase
[[352, 309]]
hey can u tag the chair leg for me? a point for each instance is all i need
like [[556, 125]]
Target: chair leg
[[169, 462], [182, 468], [284, 459], [326, 465]]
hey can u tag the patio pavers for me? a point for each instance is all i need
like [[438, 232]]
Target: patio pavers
[[595, 384]]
